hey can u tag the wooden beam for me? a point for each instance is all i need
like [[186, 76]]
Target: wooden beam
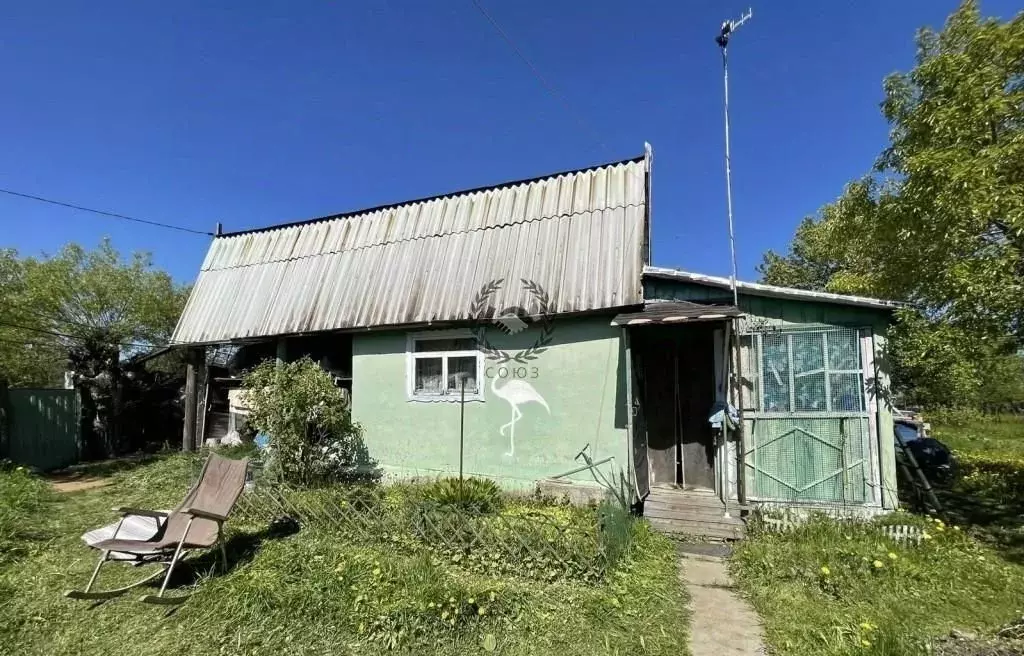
[[188, 434], [202, 401]]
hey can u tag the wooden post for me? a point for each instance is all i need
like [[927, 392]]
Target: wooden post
[[202, 399], [741, 443], [188, 434]]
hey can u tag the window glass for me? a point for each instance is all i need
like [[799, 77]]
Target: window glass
[[843, 351], [847, 395], [808, 372], [428, 375], [775, 373], [462, 365]]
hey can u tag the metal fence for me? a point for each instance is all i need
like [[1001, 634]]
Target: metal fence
[[40, 427], [530, 540]]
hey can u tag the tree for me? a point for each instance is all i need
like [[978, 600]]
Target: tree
[[84, 311], [939, 222]]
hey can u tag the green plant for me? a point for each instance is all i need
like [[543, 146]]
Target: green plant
[[478, 495], [313, 593], [313, 439]]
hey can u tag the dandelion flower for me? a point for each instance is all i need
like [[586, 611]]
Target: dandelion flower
[[825, 570], [925, 535], [867, 626], [866, 643], [878, 564], [892, 556]]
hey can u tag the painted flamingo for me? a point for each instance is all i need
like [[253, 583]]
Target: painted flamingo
[[516, 392]]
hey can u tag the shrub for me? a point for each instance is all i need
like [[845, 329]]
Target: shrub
[[477, 495], [313, 439]]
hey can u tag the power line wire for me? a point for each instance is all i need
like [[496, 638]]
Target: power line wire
[[103, 213], [547, 85], [78, 337]]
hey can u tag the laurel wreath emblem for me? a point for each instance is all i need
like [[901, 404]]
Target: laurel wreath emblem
[[479, 307]]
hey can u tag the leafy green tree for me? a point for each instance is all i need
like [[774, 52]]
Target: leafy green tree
[[86, 312], [939, 223], [52, 305]]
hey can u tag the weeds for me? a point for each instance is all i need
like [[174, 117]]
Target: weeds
[[313, 593]]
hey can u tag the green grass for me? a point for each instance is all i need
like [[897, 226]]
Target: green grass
[[970, 577], [895, 603], [313, 593], [1001, 436]]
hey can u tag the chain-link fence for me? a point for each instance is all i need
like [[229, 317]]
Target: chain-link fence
[[525, 538]]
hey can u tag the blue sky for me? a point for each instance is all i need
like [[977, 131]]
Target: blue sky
[[264, 112]]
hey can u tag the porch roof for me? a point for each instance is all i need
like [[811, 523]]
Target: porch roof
[[662, 312]]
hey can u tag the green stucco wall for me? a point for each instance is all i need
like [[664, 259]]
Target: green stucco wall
[[580, 375], [763, 313]]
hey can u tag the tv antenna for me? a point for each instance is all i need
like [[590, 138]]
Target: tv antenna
[[728, 27]]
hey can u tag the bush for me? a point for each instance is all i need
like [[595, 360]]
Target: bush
[[477, 495], [313, 439]]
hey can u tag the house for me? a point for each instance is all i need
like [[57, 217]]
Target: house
[[527, 318]]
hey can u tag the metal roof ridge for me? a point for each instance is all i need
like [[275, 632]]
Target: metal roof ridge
[[425, 199]]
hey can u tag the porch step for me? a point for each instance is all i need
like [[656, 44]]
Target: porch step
[[692, 513], [697, 529]]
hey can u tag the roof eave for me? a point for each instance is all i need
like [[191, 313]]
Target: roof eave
[[773, 291]]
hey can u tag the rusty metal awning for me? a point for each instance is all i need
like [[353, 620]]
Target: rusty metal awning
[[676, 312]]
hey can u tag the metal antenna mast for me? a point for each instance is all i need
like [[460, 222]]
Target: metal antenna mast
[[728, 27]]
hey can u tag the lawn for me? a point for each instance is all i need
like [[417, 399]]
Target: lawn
[[840, 588], [313, 592]]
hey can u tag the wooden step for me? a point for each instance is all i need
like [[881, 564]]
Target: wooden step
[[698, 529], [697, 514], [684, 506], [696, 519]]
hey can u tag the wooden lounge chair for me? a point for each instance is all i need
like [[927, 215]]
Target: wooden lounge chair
[[197, 523]]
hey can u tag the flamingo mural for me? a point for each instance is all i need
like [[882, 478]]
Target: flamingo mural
[[516, 392]]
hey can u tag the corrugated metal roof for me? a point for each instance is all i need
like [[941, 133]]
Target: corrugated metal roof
[[579, 235], [662, 312], [758, 289]]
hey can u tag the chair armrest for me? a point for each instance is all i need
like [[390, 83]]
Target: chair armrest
[[126, 510], [195, 512]]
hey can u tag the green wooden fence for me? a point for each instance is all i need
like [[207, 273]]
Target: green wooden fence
[[41, 427]]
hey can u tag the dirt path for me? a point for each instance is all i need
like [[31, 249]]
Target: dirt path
[[66, 483], [723, 622]]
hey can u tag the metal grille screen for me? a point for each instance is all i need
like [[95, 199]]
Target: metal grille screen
[[805, 416]]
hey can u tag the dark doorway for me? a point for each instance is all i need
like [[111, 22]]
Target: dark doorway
[[677, 373]]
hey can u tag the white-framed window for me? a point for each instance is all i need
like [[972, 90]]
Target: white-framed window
[[438, 361]]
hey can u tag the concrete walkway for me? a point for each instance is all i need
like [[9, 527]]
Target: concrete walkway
[[723, 622]]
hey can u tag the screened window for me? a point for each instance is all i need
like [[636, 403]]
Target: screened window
[[814, 371], [438, 365]]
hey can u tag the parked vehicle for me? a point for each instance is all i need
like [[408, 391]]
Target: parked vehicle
[[935, 458]]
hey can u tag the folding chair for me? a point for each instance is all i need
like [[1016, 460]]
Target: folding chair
[[198, 523]]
